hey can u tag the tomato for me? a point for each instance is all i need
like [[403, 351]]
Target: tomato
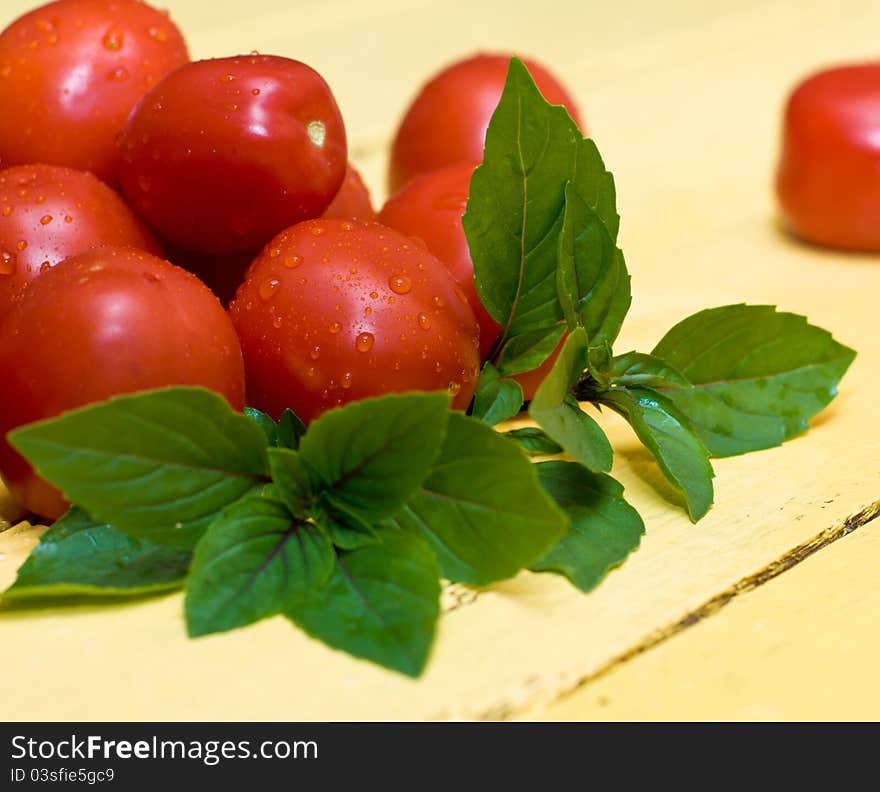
[[352, 202], [48, 213], [221, 273], [530, 381], [827, 182], [70, 72], [447, 121], [223, 154], [429, 209], [106, 322], [333, 311]]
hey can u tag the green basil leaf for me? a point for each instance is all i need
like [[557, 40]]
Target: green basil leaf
[[496, 399], [345, 528], [636, 369], [290, 429], [561, 417], [296, 483], [534, 441], [381, 603], [255, 560], [758, 375], [159, 465], [269, 427], [592, 280], [515, 207], [665, 432], [604, 530], [372, 455], [529, 350], [481, 508], [78, 556]]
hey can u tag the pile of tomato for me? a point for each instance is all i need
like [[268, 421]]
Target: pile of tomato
[[173, 222]]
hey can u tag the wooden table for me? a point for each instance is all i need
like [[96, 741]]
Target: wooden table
[[767, 609]]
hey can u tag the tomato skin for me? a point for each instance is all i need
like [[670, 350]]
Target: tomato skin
[[352, 202], [447, 120], [223, 154], [221, 273], [530, 381], [70, 72], [827, 183], [48, 213], [430, 208], [334, 311], [107, 322]]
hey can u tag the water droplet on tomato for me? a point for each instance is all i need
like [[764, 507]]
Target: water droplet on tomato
[[113, 39], [317, 133], [364, 342], [317, 230], [158, 34], [368, 311], [438, 301], [400, 284], [277, 322], [7, 263], [424, 321], [335, 328], [311, 371], [227, 78], [292, 262], [46, 219], [52, 39], [346, 226], [119, 74], [268, 288], [68, 219], [275, 252], [232, 108], [7, 210], [256, 91], [22, 244], [454, 388], [315, 352], [438, 367]]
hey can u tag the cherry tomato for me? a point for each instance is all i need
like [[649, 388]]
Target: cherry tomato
[[106, 322], [48, 213], [333, 311], [352, 202], [827, 183], [429, 208], [223, 154], [447, 121], [70, 72], [530, 381]]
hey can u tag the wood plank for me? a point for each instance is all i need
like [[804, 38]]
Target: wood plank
[[684, 100], [804, 646]]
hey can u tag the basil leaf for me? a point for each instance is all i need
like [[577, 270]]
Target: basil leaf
[[256, 560], [592, 280], [636, 369], [758, 375], [665, 432], [345, 528], [295, 482], [158, 465], [381, 603], [78, 556], [534, 441], [604, 530], [290, 429], [269, 427], [496, 399], [515, 208], [529, 350], [561, 417], [481, 508], [372, 455]]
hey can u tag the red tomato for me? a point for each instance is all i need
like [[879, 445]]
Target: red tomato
[[223, 154], [447, 121], [71, 71], [48, 213], [429, 208], [530, 381], [221, 273], [334, 311], [106, 322], [352, 202], [828, 183]]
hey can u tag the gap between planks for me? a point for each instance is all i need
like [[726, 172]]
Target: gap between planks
[[504, 711]]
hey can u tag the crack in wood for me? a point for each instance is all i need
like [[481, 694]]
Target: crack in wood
[[505, 710]]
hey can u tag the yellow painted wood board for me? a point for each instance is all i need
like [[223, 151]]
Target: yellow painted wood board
[[684, 101]]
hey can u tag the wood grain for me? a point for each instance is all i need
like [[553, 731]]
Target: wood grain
[[684, 100]]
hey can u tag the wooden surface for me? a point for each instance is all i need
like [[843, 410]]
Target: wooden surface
[[764, 610]]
